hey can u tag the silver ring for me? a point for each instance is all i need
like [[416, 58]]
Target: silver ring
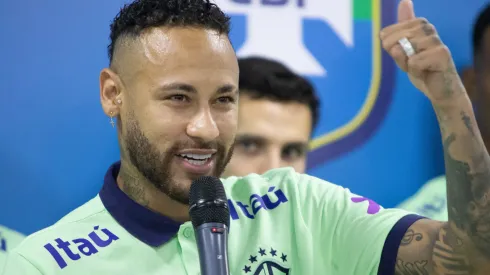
[[406, 46]]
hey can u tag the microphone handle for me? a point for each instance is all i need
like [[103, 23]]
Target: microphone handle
[[212, 244]]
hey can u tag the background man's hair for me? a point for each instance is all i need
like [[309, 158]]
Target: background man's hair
[[269, 79], [139, 15], [481, 25]]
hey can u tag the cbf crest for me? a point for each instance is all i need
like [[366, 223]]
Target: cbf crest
[[267, 262], [334, 43]]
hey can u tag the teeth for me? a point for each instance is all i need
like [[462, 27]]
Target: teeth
[[196, 162], [195, 156]]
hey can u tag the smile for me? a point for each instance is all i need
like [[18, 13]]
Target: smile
[[196, 159]]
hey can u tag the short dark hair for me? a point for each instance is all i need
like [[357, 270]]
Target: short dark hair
[[479, 28], [139, 15], [266, 78]]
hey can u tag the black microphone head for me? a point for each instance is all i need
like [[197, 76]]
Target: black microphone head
[[208, 202]]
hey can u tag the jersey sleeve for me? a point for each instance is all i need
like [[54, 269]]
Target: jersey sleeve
[[10, 238], [430, 201], [356, 234], [16, 264]]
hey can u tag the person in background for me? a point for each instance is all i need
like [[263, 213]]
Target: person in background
[[277, 113], [8, 240], [431, 199]]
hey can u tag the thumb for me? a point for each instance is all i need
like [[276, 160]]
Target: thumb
[[405, 10]]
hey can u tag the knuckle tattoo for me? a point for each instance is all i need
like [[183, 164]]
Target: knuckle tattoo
[[428, 29]]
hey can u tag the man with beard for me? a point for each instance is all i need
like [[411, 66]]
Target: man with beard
[[431, 200], [172, 84]]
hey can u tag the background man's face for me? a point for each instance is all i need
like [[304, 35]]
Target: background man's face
[[270, 134]]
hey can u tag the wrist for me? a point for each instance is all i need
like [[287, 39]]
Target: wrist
[[457, 102]]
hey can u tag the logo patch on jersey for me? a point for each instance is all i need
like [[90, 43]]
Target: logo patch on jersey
[[373, 207], [269, 201], [269, 262], [336, 44], [86, 246]]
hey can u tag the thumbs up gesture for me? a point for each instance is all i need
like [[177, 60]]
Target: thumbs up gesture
[[417, 49]]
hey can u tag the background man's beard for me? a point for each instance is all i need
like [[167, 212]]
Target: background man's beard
[[156, 167]]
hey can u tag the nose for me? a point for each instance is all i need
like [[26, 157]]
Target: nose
[[271, 161], [203, 126]]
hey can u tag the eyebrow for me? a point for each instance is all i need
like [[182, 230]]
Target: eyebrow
[[298, 144], [248, 137], [262, 140], [227, 88]]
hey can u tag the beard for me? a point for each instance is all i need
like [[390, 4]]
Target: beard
[[156, 166]]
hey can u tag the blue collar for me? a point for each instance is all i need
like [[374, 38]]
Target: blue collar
[[144, 224]]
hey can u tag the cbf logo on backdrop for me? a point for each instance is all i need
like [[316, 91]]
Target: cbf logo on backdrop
[[336, 44]]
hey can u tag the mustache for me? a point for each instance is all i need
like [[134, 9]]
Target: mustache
[[212, 145]]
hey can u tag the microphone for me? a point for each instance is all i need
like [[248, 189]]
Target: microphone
[[210, 217]]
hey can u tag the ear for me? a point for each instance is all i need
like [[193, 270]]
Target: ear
[[110, 92], [469, 81]]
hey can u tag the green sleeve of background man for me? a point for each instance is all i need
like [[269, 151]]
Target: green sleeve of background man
[[9, 239], [430, 201]]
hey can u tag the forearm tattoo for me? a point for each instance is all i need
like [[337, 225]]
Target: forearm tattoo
[[411, 268], [468, 183]]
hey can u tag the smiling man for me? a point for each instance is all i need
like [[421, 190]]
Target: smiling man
[[173, 86]]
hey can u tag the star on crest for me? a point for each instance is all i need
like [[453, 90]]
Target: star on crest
[[284, 257], [261, 258], [273, 252]]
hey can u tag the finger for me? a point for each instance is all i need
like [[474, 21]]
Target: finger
[[415, 33], [424, 43], [421, 45], [418, 22], [405, 11], [433, 59], [400, 57]]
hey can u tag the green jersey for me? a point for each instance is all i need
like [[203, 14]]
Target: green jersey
[[282, 222], [430, 201], [8, 240]]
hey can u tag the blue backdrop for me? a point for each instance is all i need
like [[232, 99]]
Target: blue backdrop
[[377, 136]]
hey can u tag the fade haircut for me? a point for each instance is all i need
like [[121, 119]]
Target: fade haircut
[[140, 15]]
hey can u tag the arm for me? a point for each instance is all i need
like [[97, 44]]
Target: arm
[[462, 245]]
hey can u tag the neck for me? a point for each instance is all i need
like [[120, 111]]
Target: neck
[[140, 190]]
